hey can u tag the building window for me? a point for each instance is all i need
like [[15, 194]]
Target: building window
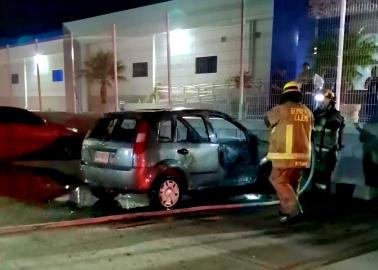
[[57, 75], [207, 64], [140, 69], [15, 79]]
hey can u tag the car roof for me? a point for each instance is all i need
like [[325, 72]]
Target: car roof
[[160, 111], [10, 108], [18, 115]]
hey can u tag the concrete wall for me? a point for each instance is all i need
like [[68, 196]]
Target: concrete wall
[[210, 28], [22, 63], [206, 41]]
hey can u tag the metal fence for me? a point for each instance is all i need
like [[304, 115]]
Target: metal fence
[[355, 42], [258, 99], [216, 54]]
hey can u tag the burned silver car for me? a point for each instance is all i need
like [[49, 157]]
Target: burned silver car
[[167, 153]]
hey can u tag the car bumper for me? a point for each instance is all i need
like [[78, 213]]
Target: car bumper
[[125, 181]]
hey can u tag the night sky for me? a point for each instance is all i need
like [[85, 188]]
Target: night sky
[[24, 20]]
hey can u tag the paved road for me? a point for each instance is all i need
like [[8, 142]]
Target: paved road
[[249, 239]]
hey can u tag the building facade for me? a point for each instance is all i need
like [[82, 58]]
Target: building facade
[[206, 54]]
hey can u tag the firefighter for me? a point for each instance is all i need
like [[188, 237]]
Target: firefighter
[[328, 139], [290, 125]]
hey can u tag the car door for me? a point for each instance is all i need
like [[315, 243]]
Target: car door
[[237, 153], [195, 151]]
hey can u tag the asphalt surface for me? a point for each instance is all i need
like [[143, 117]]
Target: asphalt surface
[[31, 195], [333, 230]]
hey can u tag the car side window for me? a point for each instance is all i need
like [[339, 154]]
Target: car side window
[[226, 131], [199, 130], [165, 131], [181, 132]]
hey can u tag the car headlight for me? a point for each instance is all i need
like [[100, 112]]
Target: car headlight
[[75, 130]]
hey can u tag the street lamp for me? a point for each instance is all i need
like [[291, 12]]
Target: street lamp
[[181, 41], [42, 62]]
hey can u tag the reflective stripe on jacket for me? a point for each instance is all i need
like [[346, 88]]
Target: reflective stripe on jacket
[[290, 137]]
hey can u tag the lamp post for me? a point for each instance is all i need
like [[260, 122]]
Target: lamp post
[[72, 50], [9, 70], [37, 62], [115, 60]]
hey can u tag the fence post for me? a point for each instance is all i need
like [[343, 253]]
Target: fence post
[[241, 81], [340, 53], [9, 73], [115, 57], [168, 58], [75, 97]]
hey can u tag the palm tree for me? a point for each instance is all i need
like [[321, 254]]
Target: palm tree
[[99, 68]]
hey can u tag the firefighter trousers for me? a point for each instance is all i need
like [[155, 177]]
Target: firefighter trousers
[[286, 182]]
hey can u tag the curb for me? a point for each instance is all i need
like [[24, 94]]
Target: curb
[[126, 217]]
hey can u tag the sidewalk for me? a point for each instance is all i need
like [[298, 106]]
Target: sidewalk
[[364, 262]]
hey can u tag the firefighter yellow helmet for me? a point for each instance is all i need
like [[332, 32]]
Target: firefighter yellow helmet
[[291, 87], [291, 92]]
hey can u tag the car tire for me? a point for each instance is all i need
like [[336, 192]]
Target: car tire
[[166, 193], [103, 195]]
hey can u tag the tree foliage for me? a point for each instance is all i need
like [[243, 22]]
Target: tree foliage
[[99, 68], [357, 52]]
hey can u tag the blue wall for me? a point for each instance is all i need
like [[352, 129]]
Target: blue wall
[[293, 35]]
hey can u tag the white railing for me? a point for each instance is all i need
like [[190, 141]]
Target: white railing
[[355, 105], [221, 97]]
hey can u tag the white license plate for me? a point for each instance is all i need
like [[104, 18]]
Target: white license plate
[[102, 157]]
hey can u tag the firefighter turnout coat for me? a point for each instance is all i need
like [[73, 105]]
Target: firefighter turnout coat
[[290, 137]]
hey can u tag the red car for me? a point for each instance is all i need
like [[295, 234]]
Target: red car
[[25, 135]]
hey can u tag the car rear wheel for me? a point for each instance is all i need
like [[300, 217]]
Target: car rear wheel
[[167, 193]]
